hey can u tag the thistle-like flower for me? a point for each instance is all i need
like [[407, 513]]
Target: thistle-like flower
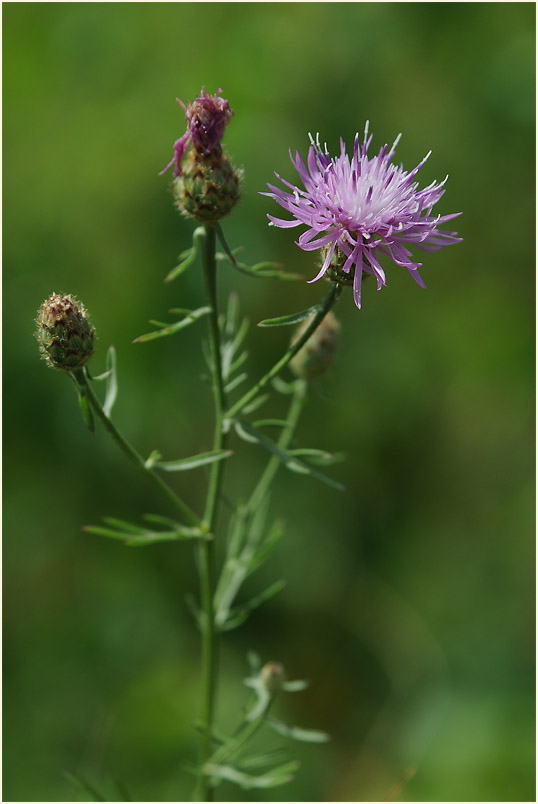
[[64, 333], [206, 185], [206, 118], [356, 209]]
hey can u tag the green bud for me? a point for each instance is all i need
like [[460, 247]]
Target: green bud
[[273, 676], [208, 187], [64, 332], [314, 358]]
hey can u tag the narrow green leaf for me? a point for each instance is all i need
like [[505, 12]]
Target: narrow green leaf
[[112, 382], [163, 536], [295, 733], [249, 433], [157, 519], [288, 320], [295, 686], [261, 760], [121, 524], [282, 386], [273, 539], [171, 329], [246, 781], [318, 457], [99, 377], [187, 257], [239, 614], [134, 536], [271, 423], [262, 270], [256, 403], [184, 464], [235, 382]]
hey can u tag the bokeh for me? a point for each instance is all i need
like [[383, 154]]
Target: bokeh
[[409, 600]]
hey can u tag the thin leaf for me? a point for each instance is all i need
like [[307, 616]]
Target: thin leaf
[[185, 464], [120, 524], [288, 320], [249, 433], [99, 377], [256, 403], [274, 778], [112, 382], [235, 382], [239, 614], [318, 457], [261, 760], [171, 329], [295, 686], [295, 733], [187, 257], [157, 519], [282, 386], [262, 270], [271, 423], [273, 538]]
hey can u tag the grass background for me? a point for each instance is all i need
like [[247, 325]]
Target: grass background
[[409, 601]]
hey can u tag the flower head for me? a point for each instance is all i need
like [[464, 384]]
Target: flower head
[[206, 118], [356, 209]]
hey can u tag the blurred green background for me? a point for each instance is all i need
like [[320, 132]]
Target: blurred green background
[[410, 598]]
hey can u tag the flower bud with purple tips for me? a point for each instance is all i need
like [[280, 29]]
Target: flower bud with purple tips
[[206, 185]]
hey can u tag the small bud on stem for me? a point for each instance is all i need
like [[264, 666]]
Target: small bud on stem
[[64, 332], [315, 357]]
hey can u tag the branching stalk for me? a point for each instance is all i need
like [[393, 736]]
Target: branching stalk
[[325, 306], [186, 513]]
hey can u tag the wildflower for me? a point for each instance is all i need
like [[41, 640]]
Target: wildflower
[[206, 185], [206, 119], [356, 209], [64, 332]]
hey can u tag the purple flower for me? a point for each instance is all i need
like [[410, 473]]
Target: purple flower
[[357, 209], [206, 120]]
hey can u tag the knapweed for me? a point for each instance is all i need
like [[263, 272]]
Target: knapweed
[[315, 357], [357, 209], [206, 185], [64, 332]]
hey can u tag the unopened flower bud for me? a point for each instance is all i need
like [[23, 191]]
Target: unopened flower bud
[[273, 676], [317, 354], [64, 332], [208, 187]]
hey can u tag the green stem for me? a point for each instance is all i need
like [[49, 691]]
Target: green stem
[[295, 410], [187, 514], [245, 734], [207, 549], [326, 305]]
